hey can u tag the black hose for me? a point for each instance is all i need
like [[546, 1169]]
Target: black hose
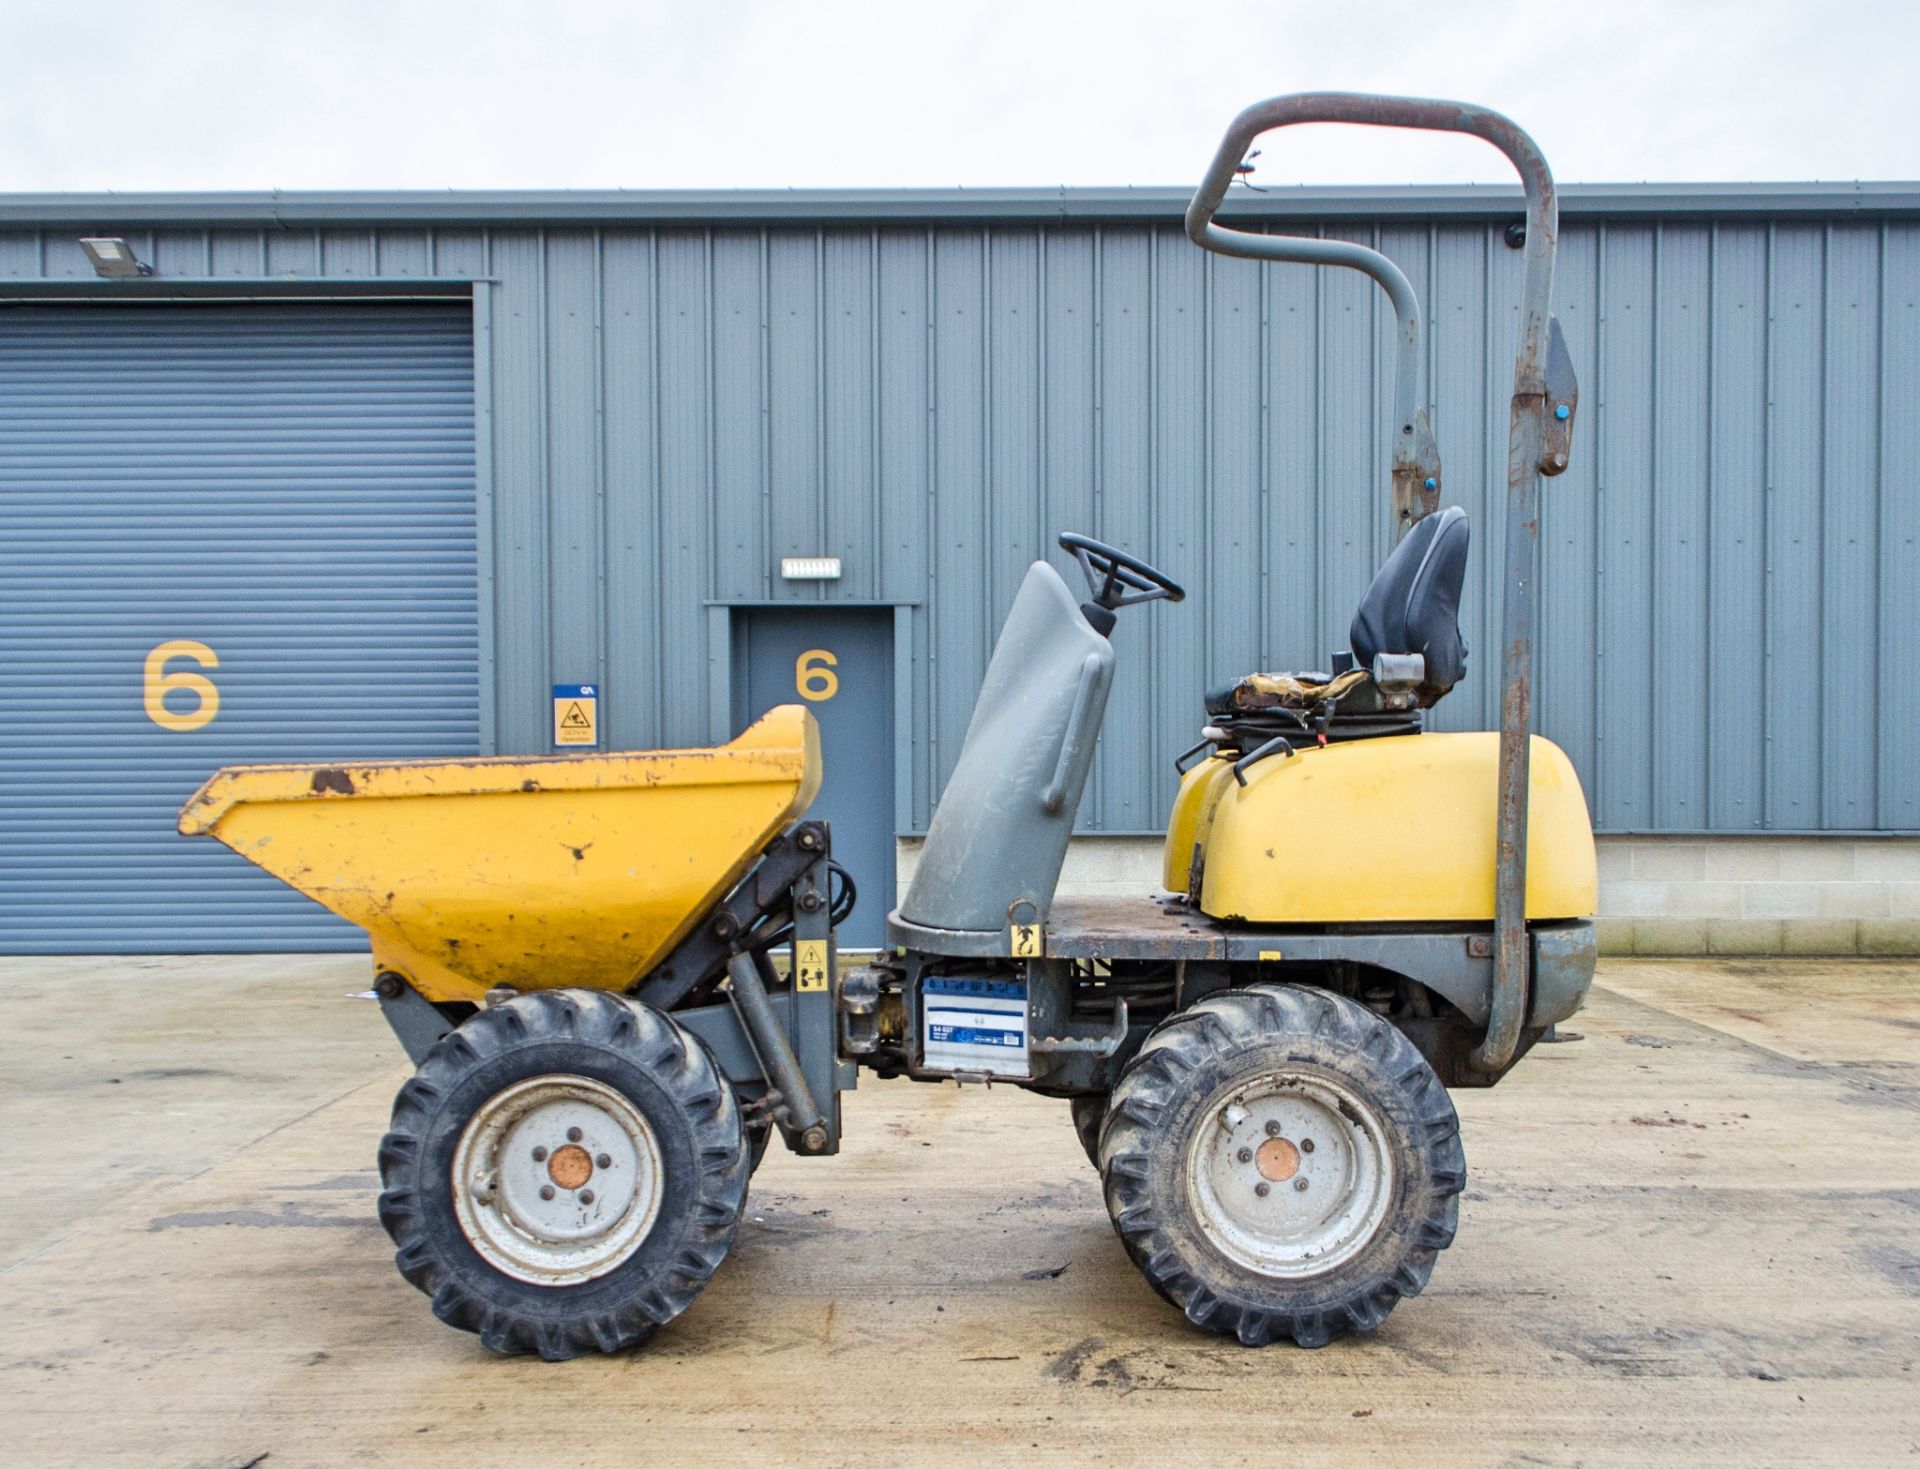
[[780, 928], [841, 908]]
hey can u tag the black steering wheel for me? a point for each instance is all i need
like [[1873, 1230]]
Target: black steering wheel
[[1117, 579]]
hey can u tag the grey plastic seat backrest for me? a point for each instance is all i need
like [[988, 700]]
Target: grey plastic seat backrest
[[1000, 832]]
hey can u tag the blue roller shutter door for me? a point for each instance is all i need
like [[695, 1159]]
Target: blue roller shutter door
[[288, 489]]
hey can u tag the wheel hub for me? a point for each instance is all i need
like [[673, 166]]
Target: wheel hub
[[557, 1179], [1290, 1175], [1277, 1159], [570, 1167]]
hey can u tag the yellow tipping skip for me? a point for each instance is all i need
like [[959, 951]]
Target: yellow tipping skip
[[535, 872], [1394, 830]]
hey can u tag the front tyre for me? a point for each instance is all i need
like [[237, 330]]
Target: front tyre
[[563, 1173], [1281, 1162]]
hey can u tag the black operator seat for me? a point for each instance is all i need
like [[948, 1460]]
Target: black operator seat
[[1406, 650]]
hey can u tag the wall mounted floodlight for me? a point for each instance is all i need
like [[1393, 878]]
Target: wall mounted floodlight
[[113, 258], [810, 568]]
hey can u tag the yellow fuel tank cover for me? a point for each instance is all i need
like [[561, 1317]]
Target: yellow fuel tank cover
[[1192, 814], [1394, 830]]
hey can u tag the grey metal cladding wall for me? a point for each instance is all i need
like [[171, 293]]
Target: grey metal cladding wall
[[1726, 569], [932, 404], [291, 486]]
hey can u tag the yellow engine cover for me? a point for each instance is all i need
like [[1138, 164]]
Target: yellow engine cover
[[1394, 830]]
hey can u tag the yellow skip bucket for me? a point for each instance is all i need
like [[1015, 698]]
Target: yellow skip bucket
[[540, 873]]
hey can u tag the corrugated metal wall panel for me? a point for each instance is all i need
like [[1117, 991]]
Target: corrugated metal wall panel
[[1897, 694], [1849, 539], [291, 486], [1569, 555], [575, 457], [1796, 370], [1621, 788], [635, 611], [674, 409], [1679, 531], [1736, 492]]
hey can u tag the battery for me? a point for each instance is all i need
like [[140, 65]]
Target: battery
[[975, 1025]]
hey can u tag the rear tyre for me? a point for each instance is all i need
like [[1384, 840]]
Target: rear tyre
[[1088, 1113], [563, 1173], [1281, 1162]]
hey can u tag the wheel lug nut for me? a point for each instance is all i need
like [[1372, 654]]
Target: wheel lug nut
[[1273, 1129], [586, 1196], [1262, 1189], [1300, 1185], [1245, 1155], [573, 1134], [546, 1190], [605, 1160], [539, 1155], [1306, 1145]]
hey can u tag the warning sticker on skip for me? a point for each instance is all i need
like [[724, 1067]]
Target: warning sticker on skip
[[576, 714]]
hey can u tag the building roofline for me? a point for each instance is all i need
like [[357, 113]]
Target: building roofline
[[279, 209]]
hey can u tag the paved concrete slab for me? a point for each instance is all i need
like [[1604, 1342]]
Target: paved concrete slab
[[1689, 1237]]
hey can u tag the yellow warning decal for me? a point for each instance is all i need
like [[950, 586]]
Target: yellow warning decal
[[1023, 940], [576, 714], [810, 965], [1269, 956]]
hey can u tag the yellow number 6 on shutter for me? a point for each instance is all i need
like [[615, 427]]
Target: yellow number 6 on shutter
[[815, 682], [160, 683]]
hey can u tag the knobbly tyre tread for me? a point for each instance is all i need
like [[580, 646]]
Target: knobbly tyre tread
[[665, 1071], [1088, 1113], [1190, 1057]]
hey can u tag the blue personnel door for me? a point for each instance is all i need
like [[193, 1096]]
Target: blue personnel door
[[839, 663]]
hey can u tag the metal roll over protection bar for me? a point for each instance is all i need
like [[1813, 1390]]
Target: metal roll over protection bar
[[1540, 430]]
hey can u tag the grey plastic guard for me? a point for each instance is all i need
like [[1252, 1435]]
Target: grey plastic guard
[[1000, 832]]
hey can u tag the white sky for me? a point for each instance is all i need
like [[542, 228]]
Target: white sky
[[381, 94]]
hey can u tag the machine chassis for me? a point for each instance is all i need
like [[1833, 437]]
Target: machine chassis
[[1435, 982]]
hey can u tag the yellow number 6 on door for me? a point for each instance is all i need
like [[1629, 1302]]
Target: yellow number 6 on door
[[160, 683], [814, 677]]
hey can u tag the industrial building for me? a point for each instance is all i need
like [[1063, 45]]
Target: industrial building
[[348, 477]]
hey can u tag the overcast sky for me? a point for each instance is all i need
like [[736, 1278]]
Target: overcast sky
[[386, 94]]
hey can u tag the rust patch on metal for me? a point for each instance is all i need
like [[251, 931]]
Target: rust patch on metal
[[1277, 1159], [332, 779], [570, 1166]]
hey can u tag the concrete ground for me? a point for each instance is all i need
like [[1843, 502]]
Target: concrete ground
[[1692, 1236]]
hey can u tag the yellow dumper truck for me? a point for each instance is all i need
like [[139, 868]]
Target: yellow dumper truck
[[579, 952]]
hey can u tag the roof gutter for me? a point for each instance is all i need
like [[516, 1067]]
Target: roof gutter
[[1059, 206]]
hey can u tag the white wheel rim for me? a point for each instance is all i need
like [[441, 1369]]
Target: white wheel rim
[[556, 1180], [1290, 1175]]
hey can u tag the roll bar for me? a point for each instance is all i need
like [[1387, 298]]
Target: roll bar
[[1540, 432]]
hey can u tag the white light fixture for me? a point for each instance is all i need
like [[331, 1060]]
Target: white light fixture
[[112, 258], [810, 568]]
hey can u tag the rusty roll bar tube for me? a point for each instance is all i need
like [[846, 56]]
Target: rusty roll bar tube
[[1529, 451], [1416, 457]]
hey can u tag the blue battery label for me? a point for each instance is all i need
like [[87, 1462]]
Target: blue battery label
[[969, 1035]]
